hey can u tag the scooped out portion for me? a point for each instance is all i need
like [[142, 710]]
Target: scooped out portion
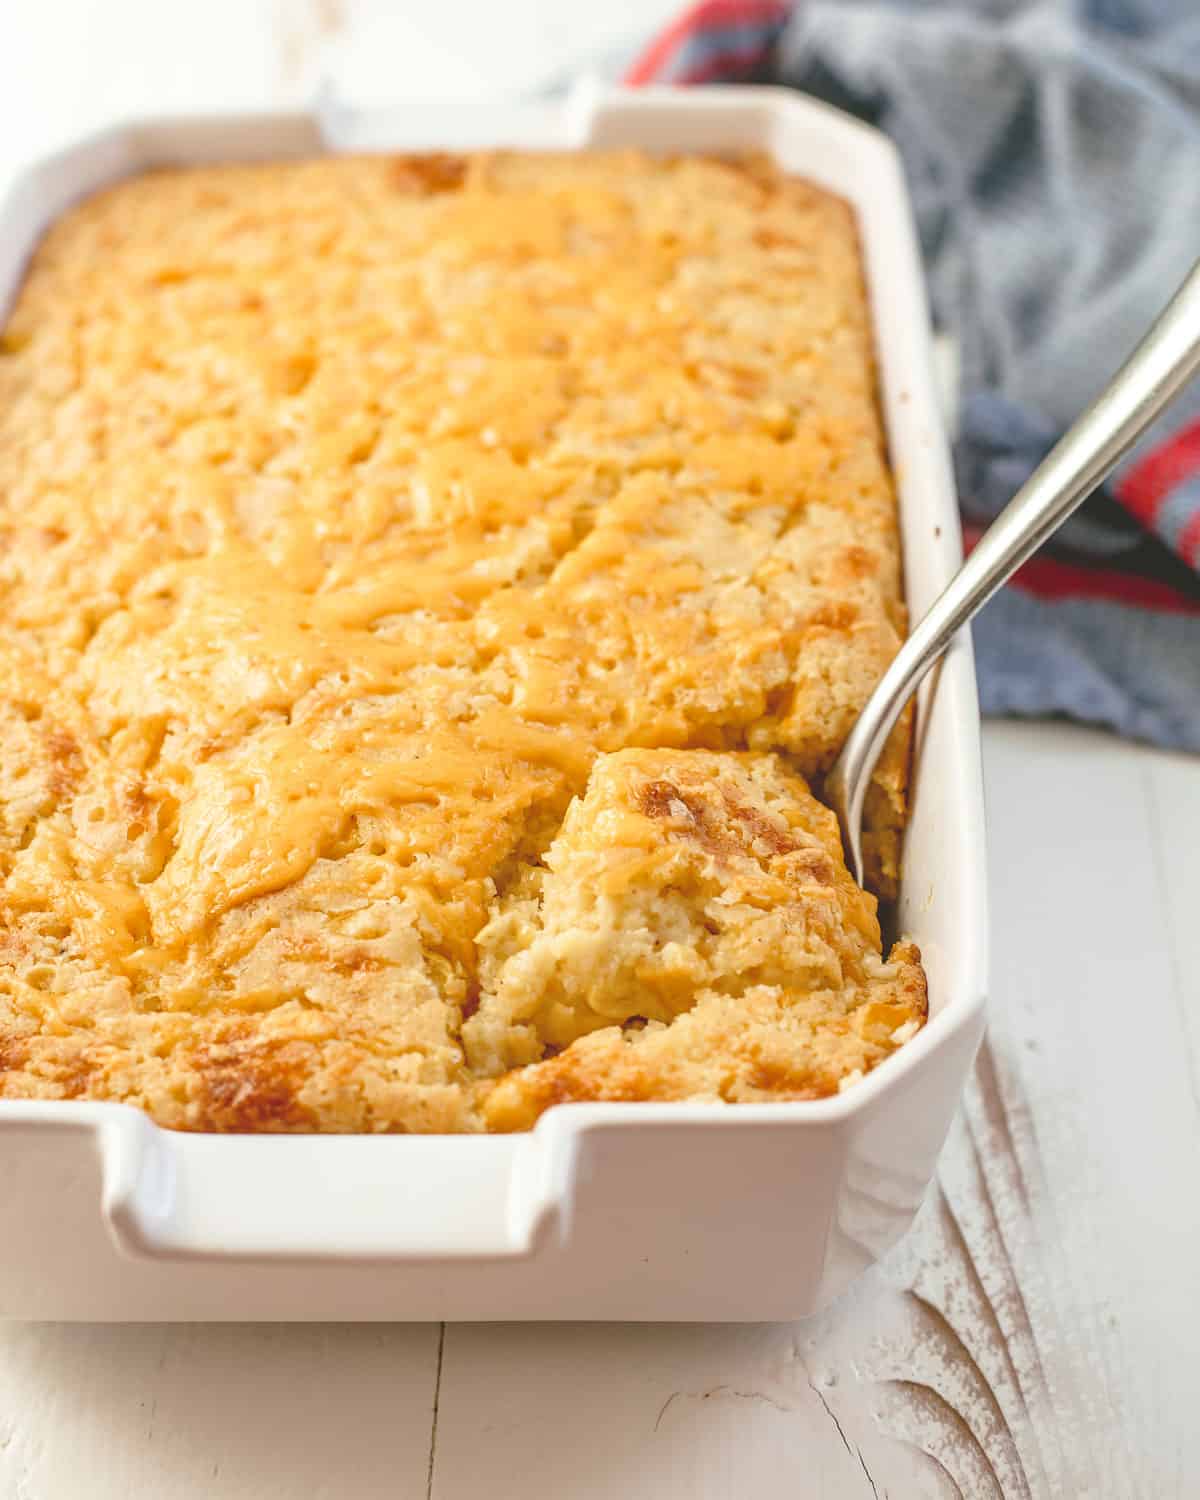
[[692, 932]]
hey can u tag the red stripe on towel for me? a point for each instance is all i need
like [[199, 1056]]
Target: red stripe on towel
[[1148, 483], [726, 63], [1049, 578], [1188, 545], [699, 17]]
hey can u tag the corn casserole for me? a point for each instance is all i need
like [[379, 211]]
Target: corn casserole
[[433, 588]]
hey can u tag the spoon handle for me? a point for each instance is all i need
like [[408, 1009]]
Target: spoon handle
[[1153, 375]]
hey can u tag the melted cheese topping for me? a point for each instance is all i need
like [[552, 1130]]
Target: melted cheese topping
[[350, 510]]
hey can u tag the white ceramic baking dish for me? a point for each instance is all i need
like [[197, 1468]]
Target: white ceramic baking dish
[[603, 1211]]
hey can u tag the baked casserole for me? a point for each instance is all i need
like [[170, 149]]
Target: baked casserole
[[432, 590]]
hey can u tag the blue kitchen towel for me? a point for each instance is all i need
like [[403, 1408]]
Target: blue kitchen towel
[[1053, 153]]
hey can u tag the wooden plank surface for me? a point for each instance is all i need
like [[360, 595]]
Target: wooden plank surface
[[1036, 1335], [233, 1412]]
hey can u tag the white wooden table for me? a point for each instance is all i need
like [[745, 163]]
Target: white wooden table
[[1037, 1335]]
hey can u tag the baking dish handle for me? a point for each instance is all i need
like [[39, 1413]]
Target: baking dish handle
[[168, 1195]]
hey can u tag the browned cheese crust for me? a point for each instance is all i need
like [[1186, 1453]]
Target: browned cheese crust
[[362, 521]]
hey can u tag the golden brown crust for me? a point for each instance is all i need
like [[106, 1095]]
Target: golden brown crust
[[692, 933], [350, 510]]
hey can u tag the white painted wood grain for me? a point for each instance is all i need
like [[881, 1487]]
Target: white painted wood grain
[[250, 1412], [1092, 1015], [1173, 795], [69, 66]]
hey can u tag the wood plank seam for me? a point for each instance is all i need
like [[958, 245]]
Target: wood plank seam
[[1159, 855], [437, 1396]]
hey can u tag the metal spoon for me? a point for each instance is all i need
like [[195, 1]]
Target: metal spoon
[[1153, 375]]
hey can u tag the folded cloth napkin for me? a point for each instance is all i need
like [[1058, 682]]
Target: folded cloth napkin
[[1053, 152]]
